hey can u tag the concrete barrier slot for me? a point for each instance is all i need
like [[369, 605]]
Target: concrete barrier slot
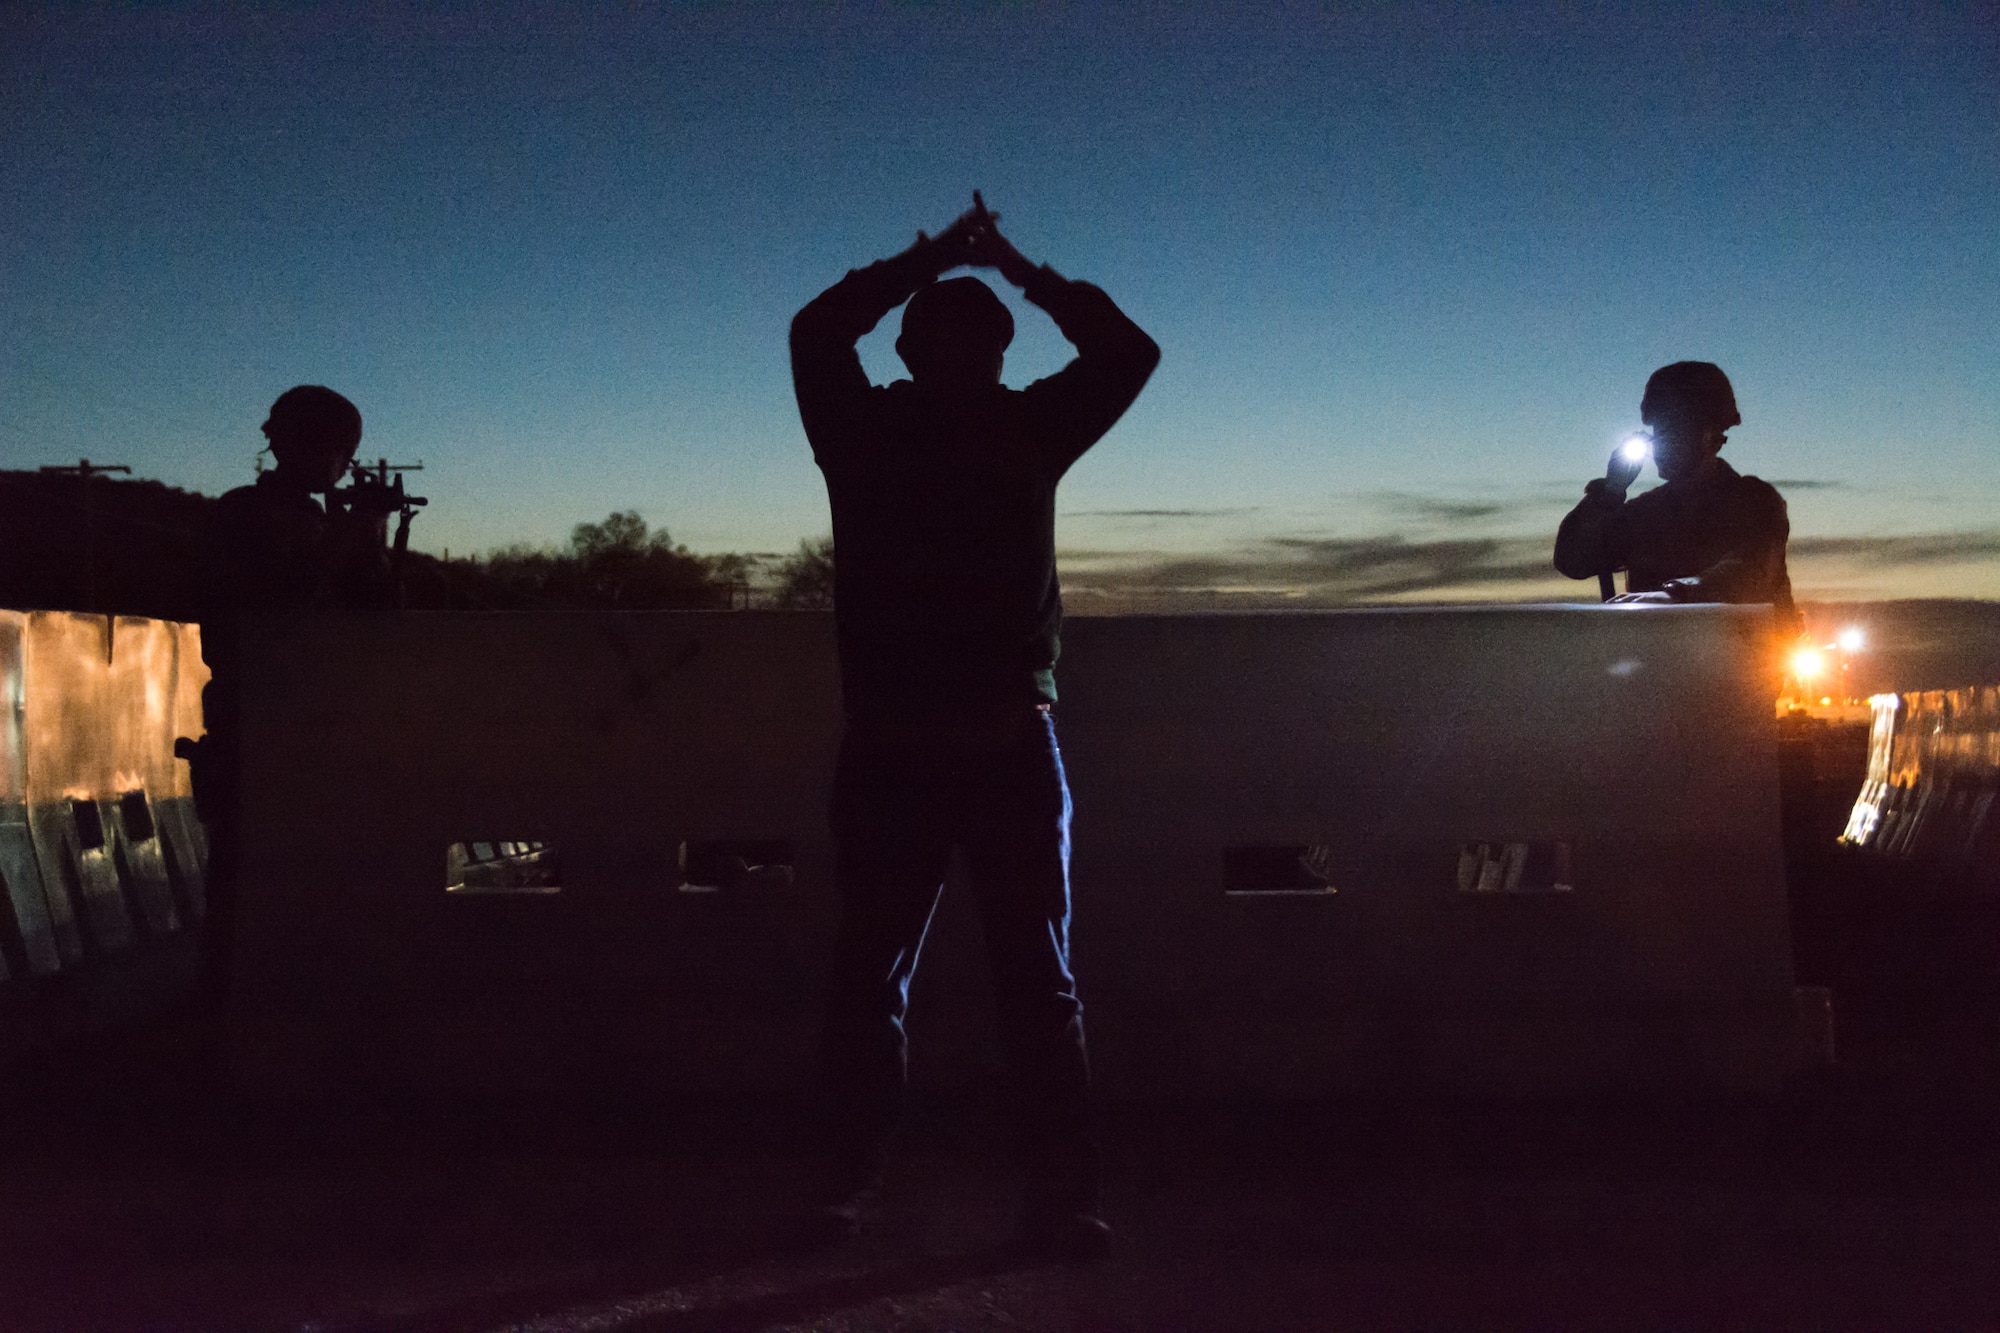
[[503, 866], [714, 864], [1262, 869], [1515, 867], [89, 825], [136, 816]]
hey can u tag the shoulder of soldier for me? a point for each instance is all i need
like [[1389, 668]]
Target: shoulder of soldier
[[1647, 501], [261, 499], [235, 501], [1757, 491]]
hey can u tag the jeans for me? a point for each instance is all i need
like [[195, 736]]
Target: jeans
[[902, 799]]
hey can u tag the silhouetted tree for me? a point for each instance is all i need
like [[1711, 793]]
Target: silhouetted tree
[[805, 579], [101, 544], [734, 572], [618, 564]]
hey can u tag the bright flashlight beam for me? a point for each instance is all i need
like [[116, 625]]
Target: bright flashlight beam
[[1852, 640], [1634, 449], [1807, 663]]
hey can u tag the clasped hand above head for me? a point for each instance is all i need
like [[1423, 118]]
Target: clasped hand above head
[[973, 240]]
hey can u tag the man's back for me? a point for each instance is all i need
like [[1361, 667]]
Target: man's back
[[943, 496], [943, 493], [267, 549]]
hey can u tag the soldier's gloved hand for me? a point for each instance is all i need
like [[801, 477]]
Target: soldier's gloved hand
[[1621, 472], [369, 499], [1689, 589]]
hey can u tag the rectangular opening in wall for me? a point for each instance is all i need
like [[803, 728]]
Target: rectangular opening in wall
[[1268, 869], [1514, 867], [136, 815], [503, 867], [89, 824], [709, 865]]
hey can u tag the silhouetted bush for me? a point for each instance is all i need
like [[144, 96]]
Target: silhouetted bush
[[618, 564], [805, 579], [101, 544]]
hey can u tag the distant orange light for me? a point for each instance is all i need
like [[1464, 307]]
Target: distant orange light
[[1808, 663]]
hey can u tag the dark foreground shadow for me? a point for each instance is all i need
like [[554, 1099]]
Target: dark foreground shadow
[[648, 1294]]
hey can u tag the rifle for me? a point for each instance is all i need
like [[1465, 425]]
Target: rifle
[[374, 495]]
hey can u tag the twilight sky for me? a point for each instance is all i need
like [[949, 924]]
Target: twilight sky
[[1409, 271]]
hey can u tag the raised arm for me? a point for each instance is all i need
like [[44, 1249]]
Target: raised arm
[[1592, 537], [1115, 357], [826, 370]]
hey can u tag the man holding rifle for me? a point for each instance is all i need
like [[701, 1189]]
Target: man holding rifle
[[276, 550]]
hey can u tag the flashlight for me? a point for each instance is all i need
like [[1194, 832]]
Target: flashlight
[[1635, 448], [1851, 639]]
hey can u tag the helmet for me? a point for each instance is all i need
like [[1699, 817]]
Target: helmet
[[314, 417], [1697, 386]]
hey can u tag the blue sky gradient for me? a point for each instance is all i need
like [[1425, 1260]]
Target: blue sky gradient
[[1409, 270]]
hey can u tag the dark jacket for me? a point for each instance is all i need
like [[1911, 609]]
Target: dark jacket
[[1720, 538], [943, 500], [274, 551]]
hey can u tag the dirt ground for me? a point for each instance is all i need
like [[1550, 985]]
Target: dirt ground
[[1840, 1206]]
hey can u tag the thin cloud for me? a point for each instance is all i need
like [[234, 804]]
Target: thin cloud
[[1934, 548], [1809, 485], [1319, 571], [1439, 510], [1308, 571], [1157, 513]]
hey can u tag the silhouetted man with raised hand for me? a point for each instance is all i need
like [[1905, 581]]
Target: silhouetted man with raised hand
[[1709, 534], [948, 614]]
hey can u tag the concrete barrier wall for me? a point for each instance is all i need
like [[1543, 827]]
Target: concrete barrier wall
[[1551, 835], [101, 855]]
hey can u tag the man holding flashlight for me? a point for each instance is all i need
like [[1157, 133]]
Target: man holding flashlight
[[947, 613], [1710, 534]]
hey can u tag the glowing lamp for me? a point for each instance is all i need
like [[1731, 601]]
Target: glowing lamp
[[1851, 639], [1808, 663], [1634, 449]]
